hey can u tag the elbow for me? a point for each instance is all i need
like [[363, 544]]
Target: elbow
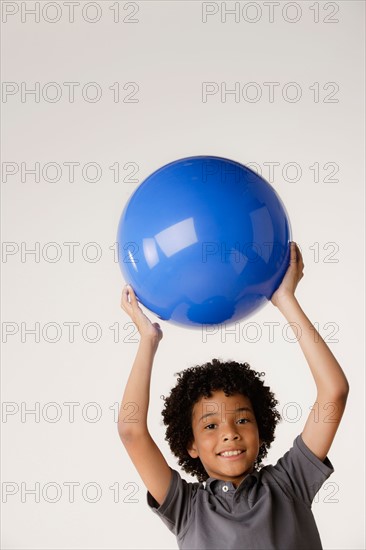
[[125, 438], [127, 433], [344, 390], [343, 396], [341, 393], [124, 433], [338, 393]]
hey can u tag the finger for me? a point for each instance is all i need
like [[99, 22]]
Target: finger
[[297, 256], [134, 301], [132, 295], [123, 296], [293, 255], [157, 326], [300, 260], [125, 304]]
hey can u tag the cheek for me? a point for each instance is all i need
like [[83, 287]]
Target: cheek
[[254, 435], [208, 438]]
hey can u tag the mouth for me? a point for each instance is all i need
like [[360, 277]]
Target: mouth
[[231, 455]]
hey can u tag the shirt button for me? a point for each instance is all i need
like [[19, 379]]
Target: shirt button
[[225, 488]]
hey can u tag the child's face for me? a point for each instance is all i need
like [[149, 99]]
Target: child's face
[[224, 427]]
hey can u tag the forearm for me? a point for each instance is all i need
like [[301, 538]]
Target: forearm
[[135, 401], [329, 377]]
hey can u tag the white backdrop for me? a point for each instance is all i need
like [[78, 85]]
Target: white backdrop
[[95, 97]]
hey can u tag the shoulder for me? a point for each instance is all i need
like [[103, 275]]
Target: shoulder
[[299, 453], [298, 473], [180, 494]]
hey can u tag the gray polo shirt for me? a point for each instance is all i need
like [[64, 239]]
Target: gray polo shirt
[[269, 510]]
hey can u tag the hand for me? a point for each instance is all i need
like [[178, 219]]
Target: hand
[[144, 326], [292, 276]]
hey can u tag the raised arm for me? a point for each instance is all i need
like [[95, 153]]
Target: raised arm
[[331, 382], [132, 422]]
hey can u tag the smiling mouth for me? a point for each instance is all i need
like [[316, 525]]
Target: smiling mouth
[[231, 454]]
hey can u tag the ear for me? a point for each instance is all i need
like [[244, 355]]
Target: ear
[[192, 450]]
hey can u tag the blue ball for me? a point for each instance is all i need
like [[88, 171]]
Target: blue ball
[[204, 240]]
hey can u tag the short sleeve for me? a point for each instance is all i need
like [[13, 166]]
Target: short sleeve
[[300, 472], [176, 509]]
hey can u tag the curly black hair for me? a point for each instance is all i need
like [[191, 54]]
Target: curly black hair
[[200, 381]]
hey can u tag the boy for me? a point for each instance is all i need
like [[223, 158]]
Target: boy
[[221, 421]]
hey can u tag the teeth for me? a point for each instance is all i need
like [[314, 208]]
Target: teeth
[[231, 453]]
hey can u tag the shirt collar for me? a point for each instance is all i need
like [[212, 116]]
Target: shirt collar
[[214, 485]]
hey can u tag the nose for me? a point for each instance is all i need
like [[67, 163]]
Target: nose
[[229, 438], [230, 434]]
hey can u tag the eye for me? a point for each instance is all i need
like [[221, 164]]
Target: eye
[[245, 419], [209, 426]]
